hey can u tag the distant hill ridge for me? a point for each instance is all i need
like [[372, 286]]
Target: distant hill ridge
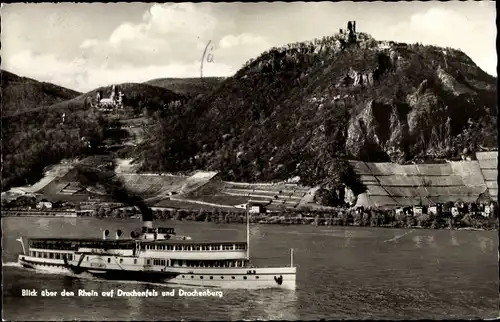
[[20, 94], [190, 87], [137, 95]]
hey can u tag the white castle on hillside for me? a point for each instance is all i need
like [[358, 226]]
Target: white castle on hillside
[[114, 101]]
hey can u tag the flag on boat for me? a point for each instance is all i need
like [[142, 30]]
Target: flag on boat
[[242, 206]]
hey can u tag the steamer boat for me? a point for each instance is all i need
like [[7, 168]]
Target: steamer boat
[[157, 255]]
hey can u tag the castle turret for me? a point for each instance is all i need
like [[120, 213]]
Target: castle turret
[[120, 98], [351, 26]]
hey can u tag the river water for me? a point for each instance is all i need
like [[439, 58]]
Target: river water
[[343, 273]]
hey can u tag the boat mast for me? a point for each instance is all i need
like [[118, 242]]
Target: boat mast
[[248, 232]]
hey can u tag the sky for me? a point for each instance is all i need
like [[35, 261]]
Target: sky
[[86, 45]]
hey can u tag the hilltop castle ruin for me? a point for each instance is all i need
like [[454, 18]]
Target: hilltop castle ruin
[[348, 36]]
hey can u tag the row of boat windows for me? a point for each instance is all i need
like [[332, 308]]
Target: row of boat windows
[[131, 245], [195, 263], [187, 263], [160, 262], [208, 263], [50, 255], [74, 245], [109, 260], [195, 247]]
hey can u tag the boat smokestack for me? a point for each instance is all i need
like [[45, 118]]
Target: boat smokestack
[[118, 234], [147, 215], [116, 188], [105, 234]]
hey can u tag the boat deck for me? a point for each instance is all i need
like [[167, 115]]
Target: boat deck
[[131, 240]]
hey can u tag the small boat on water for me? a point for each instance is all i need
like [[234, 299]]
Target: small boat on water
[[157, 255]]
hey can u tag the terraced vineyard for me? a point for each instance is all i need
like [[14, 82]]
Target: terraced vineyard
[[153, 185], [288, 195], [388, 185]]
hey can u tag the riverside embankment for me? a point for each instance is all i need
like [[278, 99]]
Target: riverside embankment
[[371, 218]]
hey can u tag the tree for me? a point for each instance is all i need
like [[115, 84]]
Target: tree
[[423, 220], [357, 218], [366, 218], [327, 197]]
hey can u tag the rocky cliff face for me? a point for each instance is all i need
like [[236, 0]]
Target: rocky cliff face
[[447, 96], [298, 110]]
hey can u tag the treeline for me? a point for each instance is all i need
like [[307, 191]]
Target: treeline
[[32, 141], [367, 218], [189, 87]]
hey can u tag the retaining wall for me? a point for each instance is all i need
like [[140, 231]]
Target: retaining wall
[[488, 163], [392, 185]]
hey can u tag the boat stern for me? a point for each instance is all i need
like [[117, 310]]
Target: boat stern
[[282, 277]]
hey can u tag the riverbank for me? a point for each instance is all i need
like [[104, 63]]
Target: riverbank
[[370, 218], [318, 218], [28, 213]]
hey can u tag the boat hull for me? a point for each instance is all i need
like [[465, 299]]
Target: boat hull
[[51, 266], [244, 277]]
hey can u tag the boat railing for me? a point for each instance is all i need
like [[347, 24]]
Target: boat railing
[[192, 247], [76, 244]]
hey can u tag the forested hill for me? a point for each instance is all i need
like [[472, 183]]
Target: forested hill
[[20, 94], [189, 87], [302, 109], [43, 135]]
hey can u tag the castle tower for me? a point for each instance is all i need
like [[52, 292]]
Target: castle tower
[[351, 25]]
